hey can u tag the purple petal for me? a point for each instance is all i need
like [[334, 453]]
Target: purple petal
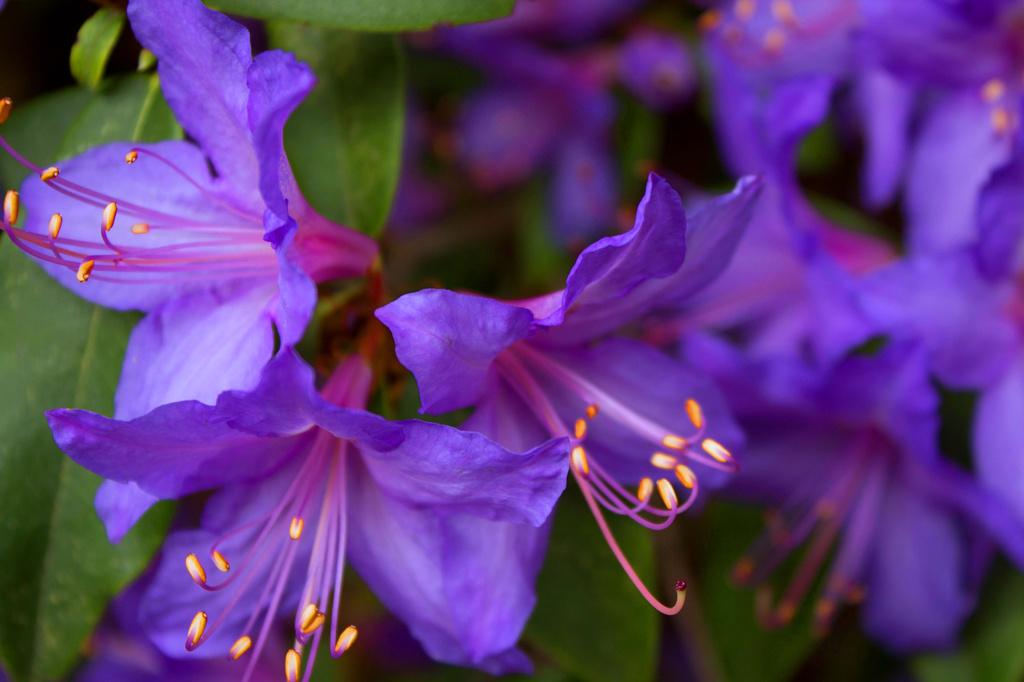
[[887, 105], [195, 347], [955, 154], [298, 291], [618, 279], [277, 84], [120, 506], [204, 60], [504, 134], [584, 188], [927, 42], [185, 447], [149, 183], [656, 67], [490, 572], [502, 416], [999, 436], [404, 555], [448, 341], [918, 595], [459, 472], [1001, 220], [945, 303]]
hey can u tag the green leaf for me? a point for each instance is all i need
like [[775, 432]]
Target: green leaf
[[991, 648], [371, 15], [96, 40], [344, 142], [746, 651], [125, 109], [589, 618], [57, 350]]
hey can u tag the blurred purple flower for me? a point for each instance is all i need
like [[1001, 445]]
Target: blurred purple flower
[[539, 368], [391, 497], [848, 460], [966, 307], [656, 67], [966, 58], [790, 289]]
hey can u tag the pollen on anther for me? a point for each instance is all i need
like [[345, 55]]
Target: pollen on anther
[[744, 9], [743, 569], [674, 442], [686, 476], [580, 429], [668, 493], [663, 461], [140, 228], [11, 205], [346, 639], [195, 569], [784, 12], [196, 629], [1000, 120], [315, 623], [109, 214], [85, 270], [579, 460], [55, 223], [645, 489], [709, 21], [307, 615], [220, 561], [240, 646], [131, 157], [49, 174], [291, 665], [295, 529], [694, 412], [592, 410], [774, 40], [5, 108], [717, 450], [993, 89]]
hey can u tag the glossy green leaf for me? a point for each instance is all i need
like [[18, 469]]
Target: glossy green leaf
[[991, 647], [589, 618], [57, 350], [371, 15], [345, 141], [96, 40], [746, 651]]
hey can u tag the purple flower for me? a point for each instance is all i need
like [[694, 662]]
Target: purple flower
[[541, 368], [305, 483], [965, 57], [542, 110], [791, 286], [214, 259], [566, 21], [848, 461], [757, 48], [965, 308], [656, 67]]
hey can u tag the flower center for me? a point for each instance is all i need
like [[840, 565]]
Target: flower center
[[850, 503], [160, 247], [277, 538], [672, 453]]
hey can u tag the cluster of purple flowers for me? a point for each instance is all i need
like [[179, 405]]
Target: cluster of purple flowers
[[745, 344]]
